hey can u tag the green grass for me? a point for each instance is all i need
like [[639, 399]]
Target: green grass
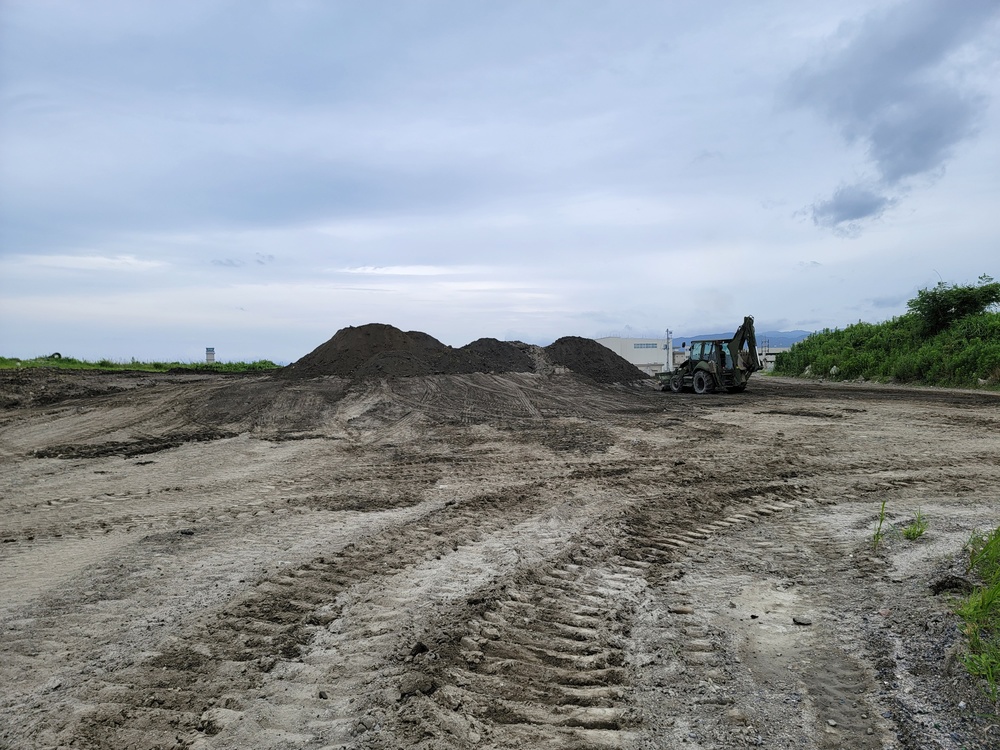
[[916, 529], [984, 555], [879, 534], [980, 611], [69, 363]]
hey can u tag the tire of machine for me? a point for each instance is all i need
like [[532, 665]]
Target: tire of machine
[[701, 382]]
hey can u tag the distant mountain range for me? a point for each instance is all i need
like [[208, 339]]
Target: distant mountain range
[[774, 339]]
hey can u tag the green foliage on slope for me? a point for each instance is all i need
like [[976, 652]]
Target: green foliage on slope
[[949, 337], [946, 304]]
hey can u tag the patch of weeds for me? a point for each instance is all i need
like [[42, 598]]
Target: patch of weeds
[[984, 554], [980, 611], [916, 529], [879, 534]]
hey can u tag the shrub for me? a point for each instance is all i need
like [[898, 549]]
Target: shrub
[[907, 348], [945, 304]]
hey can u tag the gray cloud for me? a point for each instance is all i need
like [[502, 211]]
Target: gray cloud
[[892, 85], [849, 205]]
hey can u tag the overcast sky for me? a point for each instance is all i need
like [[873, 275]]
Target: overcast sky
[[255, 175]]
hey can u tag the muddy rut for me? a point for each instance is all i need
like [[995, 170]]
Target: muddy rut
[[486, 561]]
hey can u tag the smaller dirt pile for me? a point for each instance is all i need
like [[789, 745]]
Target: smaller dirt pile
[[492, 355], [587, 357]]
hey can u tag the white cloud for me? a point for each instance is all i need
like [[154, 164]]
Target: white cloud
[[127, 263], [409, 270]]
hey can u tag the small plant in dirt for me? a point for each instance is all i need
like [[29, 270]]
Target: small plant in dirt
[[879, 533], [916, 529], [980, 611]]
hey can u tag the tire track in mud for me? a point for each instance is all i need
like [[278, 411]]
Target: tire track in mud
[[537, 660], [546, 657], [204, 679], [131, 595], [748, 616], [372, 660], [660, 529]]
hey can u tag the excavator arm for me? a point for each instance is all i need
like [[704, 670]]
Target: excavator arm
[[745, 361]]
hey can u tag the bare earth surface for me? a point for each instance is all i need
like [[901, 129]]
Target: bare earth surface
[[485, 561]]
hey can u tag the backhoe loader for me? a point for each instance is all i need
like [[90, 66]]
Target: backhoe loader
[[716, 364]]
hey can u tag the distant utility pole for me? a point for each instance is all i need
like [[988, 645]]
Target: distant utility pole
[[669, 364]]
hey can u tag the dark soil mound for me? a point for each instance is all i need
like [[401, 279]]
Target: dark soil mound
[[493, 355], [403, 365], [587, 357], [379, 350]]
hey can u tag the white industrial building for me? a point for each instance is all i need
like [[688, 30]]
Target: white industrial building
[[649, 355]]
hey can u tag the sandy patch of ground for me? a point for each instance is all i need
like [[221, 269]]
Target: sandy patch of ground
[[485, 561]]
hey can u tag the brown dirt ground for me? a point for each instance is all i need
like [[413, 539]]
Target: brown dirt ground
[[481, 560]]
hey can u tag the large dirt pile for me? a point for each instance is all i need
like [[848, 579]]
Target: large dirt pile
[[378, 350], [373, 349], [594, 360]]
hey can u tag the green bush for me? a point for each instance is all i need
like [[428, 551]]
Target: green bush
[[946, 304], [912, 348]]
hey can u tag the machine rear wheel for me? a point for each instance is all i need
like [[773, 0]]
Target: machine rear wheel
[[702, 382], [676, 382]]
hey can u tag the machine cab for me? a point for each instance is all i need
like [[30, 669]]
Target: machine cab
[[698, 353], [711, 351]]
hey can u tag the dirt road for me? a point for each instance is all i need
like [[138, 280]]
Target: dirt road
[[483, 561]]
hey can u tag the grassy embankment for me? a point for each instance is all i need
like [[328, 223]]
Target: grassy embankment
[[949, 337], [980, 611], [69, 363]]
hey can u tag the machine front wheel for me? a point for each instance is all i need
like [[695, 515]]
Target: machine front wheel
[[702, 382], [676, 382]]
